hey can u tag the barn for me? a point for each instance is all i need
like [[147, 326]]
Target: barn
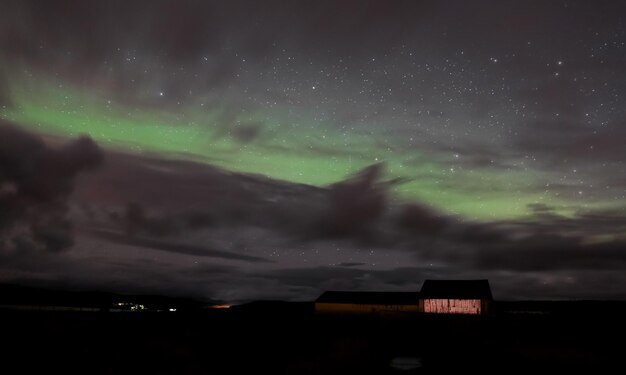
[[367, 302], [456, 297]]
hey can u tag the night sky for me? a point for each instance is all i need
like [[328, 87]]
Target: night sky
[[240, 150]]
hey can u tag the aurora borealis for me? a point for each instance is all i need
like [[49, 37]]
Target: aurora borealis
[[493, 133], [311, 152]]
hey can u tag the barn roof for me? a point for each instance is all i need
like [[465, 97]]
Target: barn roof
[[370, 298], [459, 289]]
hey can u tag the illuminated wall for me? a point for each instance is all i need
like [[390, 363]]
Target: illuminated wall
[[453, 306]]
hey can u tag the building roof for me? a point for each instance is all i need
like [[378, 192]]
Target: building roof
[[370, 298], [458, 289]]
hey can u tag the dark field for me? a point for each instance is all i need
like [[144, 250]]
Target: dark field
[[294, 341]]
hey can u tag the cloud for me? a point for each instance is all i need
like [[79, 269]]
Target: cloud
[[420, 220], [544, 242], [5, 95], [228, 125], [189, 48], [135, 221], [189, 29], [35, 183], [174, 247], [246, 132], [195, 201], [551, 253], [351, 264], [358, 203], [179, 210]]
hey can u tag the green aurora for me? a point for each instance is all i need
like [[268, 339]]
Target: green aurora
[[317, 154]]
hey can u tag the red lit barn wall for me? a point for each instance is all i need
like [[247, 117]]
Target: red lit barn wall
[[355, 308], [453, 306]]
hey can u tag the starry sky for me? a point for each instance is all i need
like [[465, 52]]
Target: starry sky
[[248, 150]]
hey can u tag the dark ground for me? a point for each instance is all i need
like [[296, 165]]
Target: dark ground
[[258, 340]]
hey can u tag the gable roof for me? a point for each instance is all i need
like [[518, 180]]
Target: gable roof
[[459, 289], [370, 298]]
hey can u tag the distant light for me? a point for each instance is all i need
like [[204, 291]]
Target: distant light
[[406, 363], [220, 306], [172, 310], [161, 93]]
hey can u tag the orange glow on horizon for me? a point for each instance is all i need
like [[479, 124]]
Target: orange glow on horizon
[[220, 306]]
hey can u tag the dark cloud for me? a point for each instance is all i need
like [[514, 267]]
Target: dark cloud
[[204, 45], [246, 132], [5, 95], [422, 221], [35, 182], [203, 198], [585, 224], [542, 210], [188, 29], [136, 222], [229, 126], [135, 275], [175, 247], [358, 203], [519, 256], [351, 264], [159, 197], [172, 198], [206, 269], [545, 242], [550, 253]]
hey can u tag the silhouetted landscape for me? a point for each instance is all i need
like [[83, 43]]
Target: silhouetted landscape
[[287, 337]]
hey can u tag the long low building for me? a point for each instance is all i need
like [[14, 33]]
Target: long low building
[[367, 302], [469, 297]]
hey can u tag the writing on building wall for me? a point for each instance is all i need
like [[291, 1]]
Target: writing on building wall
[[452, 306]]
